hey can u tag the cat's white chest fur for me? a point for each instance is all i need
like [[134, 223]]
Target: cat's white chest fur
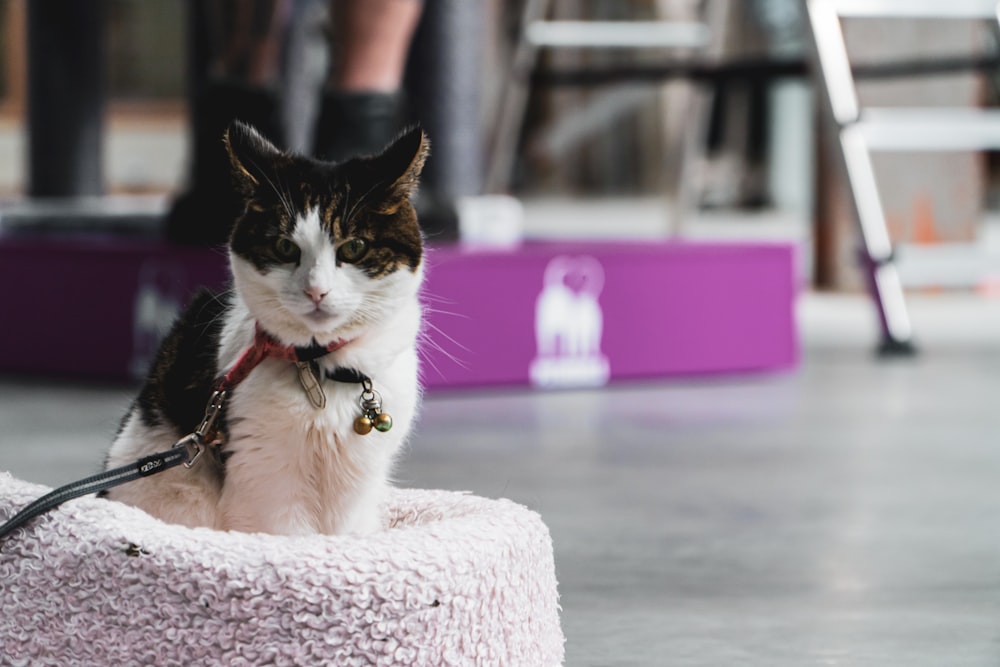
[[293, 468]]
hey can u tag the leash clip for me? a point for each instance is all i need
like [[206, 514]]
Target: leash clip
[[194, 445], [206, 431], [206, 435]]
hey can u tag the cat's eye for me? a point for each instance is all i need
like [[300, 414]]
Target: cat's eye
[[352, 250], [285, 249]]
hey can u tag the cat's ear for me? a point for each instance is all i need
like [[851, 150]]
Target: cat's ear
[[251, 157], [398, 167]]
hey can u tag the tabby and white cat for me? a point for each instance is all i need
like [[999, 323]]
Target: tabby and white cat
[[323, 253]]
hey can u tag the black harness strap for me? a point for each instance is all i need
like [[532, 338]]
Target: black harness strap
[[144, 467], [341, 374]]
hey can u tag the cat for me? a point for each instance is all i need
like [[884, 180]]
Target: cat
[[323, 254]]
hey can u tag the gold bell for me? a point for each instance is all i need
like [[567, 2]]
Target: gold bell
[[363, 425]]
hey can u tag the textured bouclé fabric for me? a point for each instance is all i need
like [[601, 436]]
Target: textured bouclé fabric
[[454, 579]]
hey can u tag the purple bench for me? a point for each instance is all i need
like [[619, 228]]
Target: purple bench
[[546, 313]]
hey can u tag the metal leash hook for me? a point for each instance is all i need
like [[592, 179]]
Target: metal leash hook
[[371, 411], [206, 435], [194, 447]]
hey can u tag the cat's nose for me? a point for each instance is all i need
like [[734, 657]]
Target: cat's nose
[[317, 294]]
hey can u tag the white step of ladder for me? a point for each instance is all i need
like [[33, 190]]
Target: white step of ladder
[[928, 129], [913, 9], [618, 34]]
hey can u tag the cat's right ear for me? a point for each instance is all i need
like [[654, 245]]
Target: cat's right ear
[[251, 157]]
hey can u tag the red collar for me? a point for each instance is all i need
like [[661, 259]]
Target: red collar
[[264, 346]]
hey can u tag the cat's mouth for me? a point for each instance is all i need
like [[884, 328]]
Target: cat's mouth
[[319, 316], [317, 319]]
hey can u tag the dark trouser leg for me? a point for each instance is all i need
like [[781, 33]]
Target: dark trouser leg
[[205, 212], [233, 51]]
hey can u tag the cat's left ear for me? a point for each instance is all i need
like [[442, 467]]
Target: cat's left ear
[[251, 156], [398, 167]]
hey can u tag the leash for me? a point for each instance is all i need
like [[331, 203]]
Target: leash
[[188, 449], [144, 467], [185, 451]]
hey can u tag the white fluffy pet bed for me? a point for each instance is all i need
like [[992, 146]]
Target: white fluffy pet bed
[[454, 580]]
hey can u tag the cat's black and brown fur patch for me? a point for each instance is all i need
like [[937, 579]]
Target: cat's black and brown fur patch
[[364, 198], [183, 375]]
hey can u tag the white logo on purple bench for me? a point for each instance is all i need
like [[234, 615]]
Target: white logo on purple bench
[[569, 325], [157, 303]]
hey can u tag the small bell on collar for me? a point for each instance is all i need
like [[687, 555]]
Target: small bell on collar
[[371, 412]]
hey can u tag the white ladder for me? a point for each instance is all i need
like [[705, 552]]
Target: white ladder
[[860, 131]]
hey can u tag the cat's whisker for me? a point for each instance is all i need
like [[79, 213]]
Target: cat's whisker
[[449, 313], [284, 202], [360, 200], [431, 342], [431, 325], [217, 299], [425, 355], [424, 346], [430, 362], [436, 298], [283, 197], [427, 358], [347, 198]]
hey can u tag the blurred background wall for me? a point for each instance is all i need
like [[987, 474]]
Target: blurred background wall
[[760, 152]]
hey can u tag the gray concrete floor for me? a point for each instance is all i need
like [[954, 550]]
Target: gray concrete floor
[[847, 513]]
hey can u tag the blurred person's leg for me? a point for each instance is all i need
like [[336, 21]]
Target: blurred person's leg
[[362, 105], [237, 63]]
